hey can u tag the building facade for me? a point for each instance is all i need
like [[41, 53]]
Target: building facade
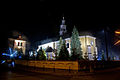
[[88, 45], [18, 44]]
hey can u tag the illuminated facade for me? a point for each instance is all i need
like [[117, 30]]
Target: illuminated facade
[[88, 45], [18, 44]]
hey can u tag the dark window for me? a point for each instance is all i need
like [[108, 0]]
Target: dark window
[[67, 45], [18, 43], [21, 44]]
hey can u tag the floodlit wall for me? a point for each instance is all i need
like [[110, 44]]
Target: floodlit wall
[[88, 45], [73, 65], [17, 44], [23, 46]]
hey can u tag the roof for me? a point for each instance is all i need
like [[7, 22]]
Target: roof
[[49, 49]]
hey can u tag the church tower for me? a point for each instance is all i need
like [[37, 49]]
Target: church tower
[[62, 28]]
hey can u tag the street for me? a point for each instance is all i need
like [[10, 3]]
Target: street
[[22, 75]]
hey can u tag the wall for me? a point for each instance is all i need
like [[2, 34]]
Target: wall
[[73, 65], [23, 45]]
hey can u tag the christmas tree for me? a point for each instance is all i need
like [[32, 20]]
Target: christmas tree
[[64, 54], [76, 49], [59, 46], [41, 55], [103, 57]]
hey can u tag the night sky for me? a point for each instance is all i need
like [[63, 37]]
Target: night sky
[[41, 19]]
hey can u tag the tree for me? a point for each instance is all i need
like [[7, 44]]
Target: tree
[[76, 49], [59, 46], [103, 57], [41, 55], [64, 54]]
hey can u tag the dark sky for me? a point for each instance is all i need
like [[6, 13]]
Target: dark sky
[[38, 19]]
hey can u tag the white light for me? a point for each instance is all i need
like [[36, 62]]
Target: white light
[[11, 55], [31, 53], [44, 46], [92, 43]]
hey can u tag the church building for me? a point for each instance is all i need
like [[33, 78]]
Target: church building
[[88, 44]]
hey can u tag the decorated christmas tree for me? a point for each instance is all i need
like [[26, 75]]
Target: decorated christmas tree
[[76, 50]]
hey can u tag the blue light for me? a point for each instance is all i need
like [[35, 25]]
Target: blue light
[[99, 59], [20, 57], [10, 50], [3, 62], [11, 55], [13, 63], [15, 53], [5, 54]]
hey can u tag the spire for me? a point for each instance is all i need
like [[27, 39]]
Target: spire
[[63, 17], [63, 27], [63, 21]]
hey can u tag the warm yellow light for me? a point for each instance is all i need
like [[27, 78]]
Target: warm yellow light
[[117, 42], [117, 32]]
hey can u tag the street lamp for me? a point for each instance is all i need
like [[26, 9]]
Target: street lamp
[[117, 33]]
